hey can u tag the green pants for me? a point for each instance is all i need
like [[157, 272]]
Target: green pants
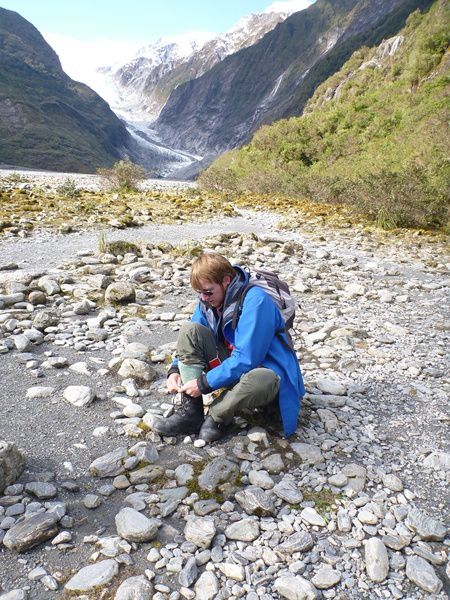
[[196, 347]]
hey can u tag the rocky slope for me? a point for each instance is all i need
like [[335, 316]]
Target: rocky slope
[[275, 77], [353, 506]]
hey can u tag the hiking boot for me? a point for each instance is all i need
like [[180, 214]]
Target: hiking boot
[[188, 418], [211, 431]]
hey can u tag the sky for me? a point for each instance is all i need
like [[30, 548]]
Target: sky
[[101, 32]]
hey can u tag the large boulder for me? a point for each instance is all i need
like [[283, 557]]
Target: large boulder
[[12, 463], [120, 292]]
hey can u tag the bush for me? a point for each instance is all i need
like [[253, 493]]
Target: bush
[[123, 176], [68, 188]]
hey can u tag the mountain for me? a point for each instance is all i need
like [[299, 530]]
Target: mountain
[[138, 90], [374, 135], [47, 120], [274, 77]]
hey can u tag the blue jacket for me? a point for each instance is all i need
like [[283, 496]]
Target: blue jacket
[[255, 344]]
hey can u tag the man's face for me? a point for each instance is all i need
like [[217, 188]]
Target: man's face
[[213, 293]]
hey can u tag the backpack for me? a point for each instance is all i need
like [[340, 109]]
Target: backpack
[[279, 292]]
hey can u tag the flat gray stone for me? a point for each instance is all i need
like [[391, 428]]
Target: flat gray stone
[[312, 517], [246, 530], [217, 471], [254, 500], [43, 491], [39, 391], [287, 490], [326, 578], [427, 527], [133, 526], [93, 576], [110, 464], [300, 541], [200, 531], [295, 588], [423, 575], [188, 573], [376, 558], [309, 453], [14, 595], [31, 532], [135, 588]]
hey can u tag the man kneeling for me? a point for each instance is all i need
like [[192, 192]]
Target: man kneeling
[[252, 365]]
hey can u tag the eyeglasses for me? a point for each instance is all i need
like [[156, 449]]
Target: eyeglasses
[[206, 293]]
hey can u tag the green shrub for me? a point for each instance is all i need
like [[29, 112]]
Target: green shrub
[[123, 176], [68, 188]]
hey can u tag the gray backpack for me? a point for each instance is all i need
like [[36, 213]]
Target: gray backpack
[[280, 293]]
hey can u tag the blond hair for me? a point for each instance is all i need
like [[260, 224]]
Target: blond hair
[[210, 266]]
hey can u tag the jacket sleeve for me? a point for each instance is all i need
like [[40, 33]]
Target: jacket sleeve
[[254, 334]]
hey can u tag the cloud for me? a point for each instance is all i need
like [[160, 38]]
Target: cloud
[[289, 6], [79, 57]]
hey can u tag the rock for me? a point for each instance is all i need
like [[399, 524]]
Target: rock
[[339, 480], [39, 391], [428, 528], [79, 395], [110, 464], [216, 472], [133, 526], [246, 530], [207, 586], [49, 286], [92, 501], [287, 490], [295, 588], [300, 541], [93, 576], [312, 517], [184, 473], [261, 479], [120, 293], [376, 558], [146, 474], [308, 453], [14, 595], [327, 386], [326, 578], [423, 575], [135, 588], [437, 459], [200, 531], [12, 463], [189, 573], [254, 500], [31, 532], [273, 464], [41, 490], [392, 482], [232, 571], [45, 318], [37, 297], [137, 369], [22, 342]]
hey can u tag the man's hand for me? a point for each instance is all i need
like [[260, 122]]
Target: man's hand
[[174, 383], [191, 388]]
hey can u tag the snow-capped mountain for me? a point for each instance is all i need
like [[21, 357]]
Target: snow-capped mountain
[[138, 89]]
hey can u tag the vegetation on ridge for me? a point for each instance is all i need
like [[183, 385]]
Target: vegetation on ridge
[[374, 135]]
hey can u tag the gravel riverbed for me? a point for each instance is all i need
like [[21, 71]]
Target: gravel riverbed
[[354, 505]]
